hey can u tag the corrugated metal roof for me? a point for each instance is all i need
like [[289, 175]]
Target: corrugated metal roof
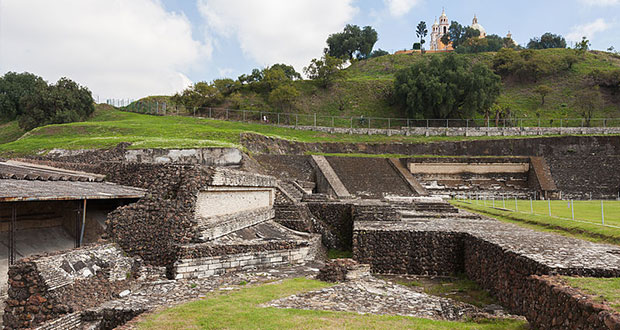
[[27, 171], [12, 190]]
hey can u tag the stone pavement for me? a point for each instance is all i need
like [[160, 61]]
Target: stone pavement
[[369, 295]]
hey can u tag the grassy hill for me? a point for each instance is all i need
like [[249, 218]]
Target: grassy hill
[[368, 87], [109, 126]]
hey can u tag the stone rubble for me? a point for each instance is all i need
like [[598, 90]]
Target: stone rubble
[[369, 295]]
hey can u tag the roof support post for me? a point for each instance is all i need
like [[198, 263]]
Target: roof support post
[[83, 223], [12, 229]]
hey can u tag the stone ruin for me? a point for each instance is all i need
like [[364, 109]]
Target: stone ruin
[[220, 224]]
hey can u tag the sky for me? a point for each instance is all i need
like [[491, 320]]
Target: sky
[[128, 49]]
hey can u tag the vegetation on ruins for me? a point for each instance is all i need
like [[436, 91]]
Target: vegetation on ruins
[[448, 87], [240, 309], [605, 290]]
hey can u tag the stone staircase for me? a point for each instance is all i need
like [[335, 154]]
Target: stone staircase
[[434, 207], [293, 216], [292, 190], [377, 211], [316, 198]]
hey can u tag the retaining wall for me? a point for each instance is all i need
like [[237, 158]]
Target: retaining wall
[[514, 280], [465, 131]]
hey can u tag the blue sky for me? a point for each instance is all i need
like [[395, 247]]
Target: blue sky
[[129, 49]]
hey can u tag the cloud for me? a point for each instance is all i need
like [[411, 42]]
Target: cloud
[[601, 2], [399, 8], [277, 31], [588, 30], [119, 49]]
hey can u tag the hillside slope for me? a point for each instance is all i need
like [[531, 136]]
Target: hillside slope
[[368, 88]]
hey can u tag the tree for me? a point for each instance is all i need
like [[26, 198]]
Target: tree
[[201, 94], [543, 90], [491, 43], [352, 42], [417, 46], [226, 86], [283, 96], [14, 86], [379, 52], [325, 70], [289, 71], [64, 102], [583, 45], [547, 40], [446, 87], [421, 32], [588, 100], [457, 34]]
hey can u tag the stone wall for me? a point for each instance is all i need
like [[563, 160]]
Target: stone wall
[[200, 267], [121, 153], [409, 252], [553, 305], [465, 131], [337, 224]]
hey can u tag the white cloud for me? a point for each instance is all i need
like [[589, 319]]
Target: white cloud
[[601, 2], [119, 49], [277, 31], [588, 30], [399, 8]]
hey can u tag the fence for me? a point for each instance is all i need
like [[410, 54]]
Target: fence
[[298, 119], [598, 212]]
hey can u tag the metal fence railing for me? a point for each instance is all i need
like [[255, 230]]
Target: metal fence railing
[[597, 212], [317, 120]]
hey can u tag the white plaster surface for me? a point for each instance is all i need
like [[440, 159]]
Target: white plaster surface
[[456, 168], [226, 200]]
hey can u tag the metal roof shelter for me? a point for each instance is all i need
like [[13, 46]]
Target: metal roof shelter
[[26, 182], [12, 190]]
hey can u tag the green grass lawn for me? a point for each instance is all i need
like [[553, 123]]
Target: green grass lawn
[[589, 230], [10, 132], [240, 310], [605, 289], [110, 127]]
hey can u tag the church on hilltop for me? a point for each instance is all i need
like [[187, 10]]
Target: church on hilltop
[[440, 28]]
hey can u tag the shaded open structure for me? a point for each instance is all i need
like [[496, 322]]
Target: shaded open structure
[[45, 209]]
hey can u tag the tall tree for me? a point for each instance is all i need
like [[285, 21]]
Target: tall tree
[[588, 100], [446, 87], [64, 102], [352, 42], [421, 32], [325, 70], [14, 86], [543, 90], [547, 40]]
